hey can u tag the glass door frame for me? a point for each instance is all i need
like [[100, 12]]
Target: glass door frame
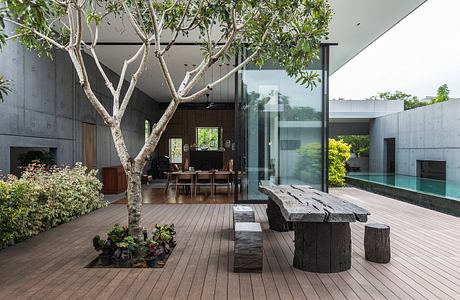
[[238, 139]]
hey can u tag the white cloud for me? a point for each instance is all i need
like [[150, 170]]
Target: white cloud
[[416, 56]]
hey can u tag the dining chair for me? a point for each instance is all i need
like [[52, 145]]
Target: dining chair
[[222, 178], [204, 179], [185, 179]]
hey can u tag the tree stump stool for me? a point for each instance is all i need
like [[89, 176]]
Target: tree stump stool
[[276, 220], [377, 243], [248, 248], [243, 213]]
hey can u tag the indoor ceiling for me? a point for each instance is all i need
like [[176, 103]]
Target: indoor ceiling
[[355, 25]]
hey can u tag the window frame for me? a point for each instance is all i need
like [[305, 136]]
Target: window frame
[[219, 137]]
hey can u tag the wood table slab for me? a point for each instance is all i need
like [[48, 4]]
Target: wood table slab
[[321, 223]]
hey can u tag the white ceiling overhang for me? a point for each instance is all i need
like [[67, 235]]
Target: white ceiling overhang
[[374, 17]]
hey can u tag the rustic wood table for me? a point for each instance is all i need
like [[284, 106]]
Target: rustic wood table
[[321, 223]]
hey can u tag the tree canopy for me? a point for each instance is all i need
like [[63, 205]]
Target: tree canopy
[[410, 101], [442, 94], [286, 32]]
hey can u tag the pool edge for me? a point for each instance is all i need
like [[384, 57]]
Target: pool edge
[[440, 204]]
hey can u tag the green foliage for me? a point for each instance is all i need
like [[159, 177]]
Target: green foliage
[[120, 244], [339, 152], [308, 167], [38, 157], [285, 31], [410, 101], [5, 87], [208, 137], [42, 199], [163, 233], [359, 144], [118, 233], [442, 94]]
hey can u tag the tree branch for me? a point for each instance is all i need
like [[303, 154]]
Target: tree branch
[[133, 22], [132, 84], [157, 132], [223, 78], [48, 39]]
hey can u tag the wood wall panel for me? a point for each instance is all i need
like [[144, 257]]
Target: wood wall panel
[[184, 122], [89, 144]]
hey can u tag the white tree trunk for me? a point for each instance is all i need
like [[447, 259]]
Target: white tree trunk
[[134, 194]]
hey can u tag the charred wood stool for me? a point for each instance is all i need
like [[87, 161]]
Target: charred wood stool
[[377, 243], [248, 248]]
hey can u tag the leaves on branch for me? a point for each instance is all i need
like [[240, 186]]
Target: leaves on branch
[[5, 87]]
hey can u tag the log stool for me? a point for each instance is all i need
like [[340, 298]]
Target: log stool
[[248, 248], [377, 243], [243, 213]]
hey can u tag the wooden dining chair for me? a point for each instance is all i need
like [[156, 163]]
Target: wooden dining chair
[[204, 179], [222, 178], [185, 179]]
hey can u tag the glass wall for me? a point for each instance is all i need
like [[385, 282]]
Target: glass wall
[[281, 130]]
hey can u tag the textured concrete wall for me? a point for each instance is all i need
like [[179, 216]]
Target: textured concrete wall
[[426, 133], [47, 107], [349, 109]]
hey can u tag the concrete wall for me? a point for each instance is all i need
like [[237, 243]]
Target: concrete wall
[[363, 109], [426, 133], [47, 107]]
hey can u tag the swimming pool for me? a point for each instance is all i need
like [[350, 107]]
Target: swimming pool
[[439, 195]]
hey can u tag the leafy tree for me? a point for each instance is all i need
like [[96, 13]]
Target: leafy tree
[[442, 94], [359, 143], [410, 101], [288, 32]]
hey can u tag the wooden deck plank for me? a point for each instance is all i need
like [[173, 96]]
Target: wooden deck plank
[[199, 278], [425, 259]]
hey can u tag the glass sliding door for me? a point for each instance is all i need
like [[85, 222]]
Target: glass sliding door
[[281, 128]]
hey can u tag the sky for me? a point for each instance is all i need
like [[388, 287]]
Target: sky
[[416, 56]]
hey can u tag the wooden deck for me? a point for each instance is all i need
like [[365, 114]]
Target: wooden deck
[[425, 263]]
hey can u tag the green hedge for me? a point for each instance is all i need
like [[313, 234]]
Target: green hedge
[[44, 198]]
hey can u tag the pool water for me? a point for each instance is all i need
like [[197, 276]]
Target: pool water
[[422, 185]]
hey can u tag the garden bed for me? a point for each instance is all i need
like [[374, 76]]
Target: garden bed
[[141, 263], [121, 250]]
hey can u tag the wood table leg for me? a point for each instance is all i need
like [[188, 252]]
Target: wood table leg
[[322, 247], [275, 218]]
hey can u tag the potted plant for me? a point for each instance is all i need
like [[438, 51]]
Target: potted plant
[[164, 235], [128, 249], [150, 253], [107, 249], [118, 233]]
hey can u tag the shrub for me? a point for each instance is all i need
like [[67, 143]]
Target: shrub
[[308, 166], [339, 152], [42, 199]]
